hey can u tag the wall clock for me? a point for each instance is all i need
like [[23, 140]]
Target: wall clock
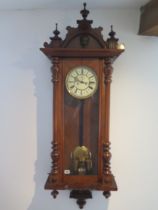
[[81, 75]]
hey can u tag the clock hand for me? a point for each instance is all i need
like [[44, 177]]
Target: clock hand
[[77, 80], [82, 82]]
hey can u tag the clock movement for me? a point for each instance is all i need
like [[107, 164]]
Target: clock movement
[[81, 76]]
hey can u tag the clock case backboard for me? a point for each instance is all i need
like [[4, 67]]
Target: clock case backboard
[[83, 45]]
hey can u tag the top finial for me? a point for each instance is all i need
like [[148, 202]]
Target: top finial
[[84, 12], [56, 26]]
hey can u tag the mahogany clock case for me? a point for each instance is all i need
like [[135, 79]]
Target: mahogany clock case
[[81, 146]]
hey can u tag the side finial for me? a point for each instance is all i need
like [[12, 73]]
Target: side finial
[[112, 42], [55, 40], [56, 32], [112, 33]]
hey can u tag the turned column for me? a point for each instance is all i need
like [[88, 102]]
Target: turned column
[[107, 178], [55, 154]]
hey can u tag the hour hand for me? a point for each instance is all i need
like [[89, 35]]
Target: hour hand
[[77, 80]]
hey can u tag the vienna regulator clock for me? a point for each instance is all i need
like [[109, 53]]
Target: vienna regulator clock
[[81, 75]]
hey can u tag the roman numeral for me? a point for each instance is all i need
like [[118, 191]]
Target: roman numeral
[[72, 86]]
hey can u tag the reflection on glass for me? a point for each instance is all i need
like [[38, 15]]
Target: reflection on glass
[[81, 162]]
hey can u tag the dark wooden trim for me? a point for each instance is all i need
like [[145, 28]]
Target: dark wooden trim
[[80, 53]]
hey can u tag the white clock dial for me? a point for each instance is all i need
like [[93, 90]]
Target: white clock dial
[[81, 82]]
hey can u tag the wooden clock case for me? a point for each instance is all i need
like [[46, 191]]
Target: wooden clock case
[[83, 45]]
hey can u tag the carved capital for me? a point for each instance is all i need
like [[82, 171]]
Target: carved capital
[[55, 70], [108, 70]]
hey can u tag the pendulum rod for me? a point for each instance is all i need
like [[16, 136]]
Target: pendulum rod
[[81, 126]]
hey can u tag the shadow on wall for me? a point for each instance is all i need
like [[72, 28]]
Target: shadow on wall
[[42, 200]]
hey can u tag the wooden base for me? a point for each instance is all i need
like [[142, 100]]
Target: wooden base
[[75, 182], [107, 185]]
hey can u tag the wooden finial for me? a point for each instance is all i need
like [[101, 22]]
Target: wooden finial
[[84, 12], [112, 33], [84, 5], [112, 42], [56, 32], [56, 26]]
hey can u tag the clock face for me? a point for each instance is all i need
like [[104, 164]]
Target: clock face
[[81, 82]]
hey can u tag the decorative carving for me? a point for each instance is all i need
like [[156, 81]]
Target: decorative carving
[[55, 69], [84, 24], [81, 195], [53, 177], [84, 40], [107, 175], [108, 70], [55, 157], [84, 29], [106, 159]]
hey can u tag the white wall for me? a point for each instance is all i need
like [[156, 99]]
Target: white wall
[[25, 112]]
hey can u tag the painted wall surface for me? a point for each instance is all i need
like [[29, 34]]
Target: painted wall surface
[[25, 112]]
